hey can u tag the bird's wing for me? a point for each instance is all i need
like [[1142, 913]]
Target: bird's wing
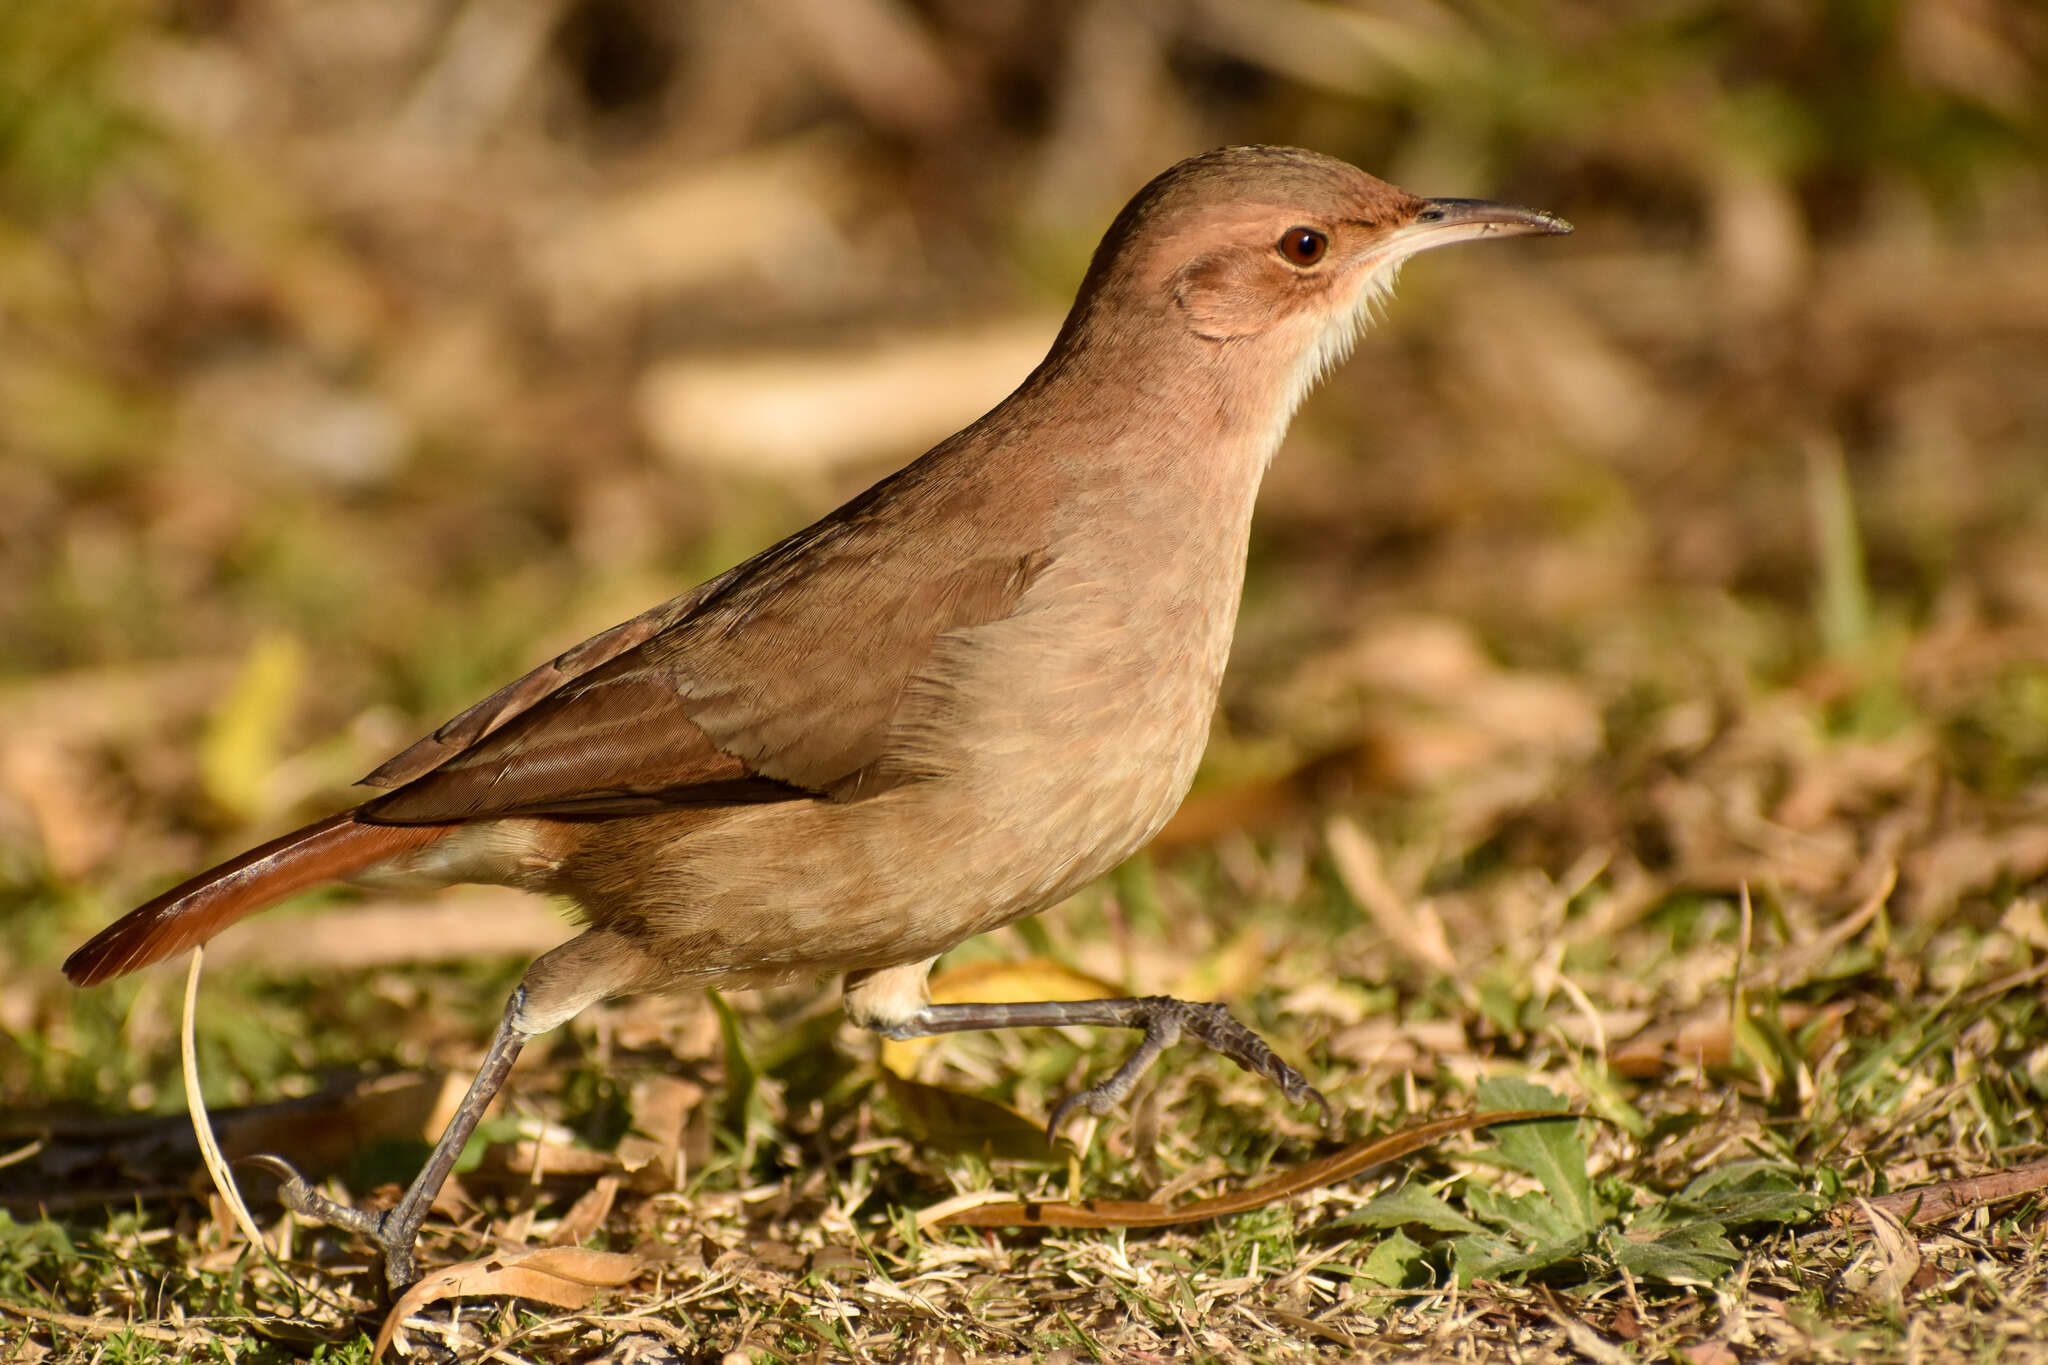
[[777, 681], [515, 698]]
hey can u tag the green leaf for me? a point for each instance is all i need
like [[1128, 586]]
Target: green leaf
[[24, 1244], [1551, 1152], [1474, 1255], [1397, 1262], [1745, 1192], [1753, 1043], [1409, 1206], [395, 1161], [742, 1076], [1487, 1257], [1608, 1099], [1502, 1006], [499, 1129], [598, 1107], [1842, 596], [1534, 1219], [1694, 1253]]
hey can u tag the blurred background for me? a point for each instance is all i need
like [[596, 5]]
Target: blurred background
[[357, 354]]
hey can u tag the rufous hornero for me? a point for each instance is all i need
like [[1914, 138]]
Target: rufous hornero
[[948, 704]]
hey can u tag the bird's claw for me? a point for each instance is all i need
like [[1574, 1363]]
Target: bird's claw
[[1165, 1020], [394, 1235]]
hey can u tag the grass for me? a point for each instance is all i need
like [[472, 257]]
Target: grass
[[1704, 1210]]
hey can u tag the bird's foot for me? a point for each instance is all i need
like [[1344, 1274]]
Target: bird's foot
[[395, 1231], [1166, 1021]]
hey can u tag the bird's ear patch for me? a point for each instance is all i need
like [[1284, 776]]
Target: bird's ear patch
[[1225, 294]]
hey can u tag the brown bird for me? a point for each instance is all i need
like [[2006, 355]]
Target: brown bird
[[944, 706]]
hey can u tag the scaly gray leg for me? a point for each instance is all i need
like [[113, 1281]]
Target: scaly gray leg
[[1164, 1019], [398, 1227]]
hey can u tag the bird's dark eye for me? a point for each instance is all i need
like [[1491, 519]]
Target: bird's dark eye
[[1303, 246]]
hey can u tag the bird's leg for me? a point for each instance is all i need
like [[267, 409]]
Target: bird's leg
[[398, 1227], [1164, 1019]]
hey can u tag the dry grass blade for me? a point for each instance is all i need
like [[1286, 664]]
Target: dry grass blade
[[195, 1104], [1800, 961], [187, 1338], [1139, 1213], [565, 1277]]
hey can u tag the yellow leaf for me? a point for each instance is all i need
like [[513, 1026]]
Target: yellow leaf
[[1034, 978], [240, 749], [1236, 968]]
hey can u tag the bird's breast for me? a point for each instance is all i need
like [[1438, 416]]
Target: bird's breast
[[1068, 732]]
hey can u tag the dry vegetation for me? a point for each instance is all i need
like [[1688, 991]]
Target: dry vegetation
[[1641, 699]]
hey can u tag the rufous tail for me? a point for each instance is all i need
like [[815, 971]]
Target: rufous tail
[[196, 910]]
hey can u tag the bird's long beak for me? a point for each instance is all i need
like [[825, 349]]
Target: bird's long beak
[[1444, 221], [1439, 222]]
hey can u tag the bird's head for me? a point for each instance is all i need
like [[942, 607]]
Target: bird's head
[[1272, 258]]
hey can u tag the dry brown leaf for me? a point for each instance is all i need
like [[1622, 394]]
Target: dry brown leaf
[[323, 1132], [653, 240], [186, 1339], [58, 791], [1848, 779], [1236, 967], [1390, 1045], [564, 1277], [588, 1213], [537, 1159], [960, 1122], [1454, 710], [1588, 1343], [1969, 860], [1795, 964], [1262, 802], [1708, 1039], [1138, 1213], [1416, 932], [652, 1154], [883, 57], [1891, 1262]]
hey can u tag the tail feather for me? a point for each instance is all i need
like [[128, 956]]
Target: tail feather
[[196, 910]]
